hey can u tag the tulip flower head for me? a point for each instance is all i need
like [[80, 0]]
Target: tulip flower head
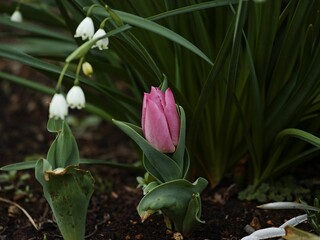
[[76, 98], [58, 107], [102, 43], [85, 29], [16, 16], [160, 120]]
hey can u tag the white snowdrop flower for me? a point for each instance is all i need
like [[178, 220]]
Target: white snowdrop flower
[[58, 107], [76, 98], [16, 16], [102, 43], [85, 29]]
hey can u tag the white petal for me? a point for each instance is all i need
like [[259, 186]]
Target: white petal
[[16, 16], [102, 43], [58, 107], [85, 29], [76, 98]]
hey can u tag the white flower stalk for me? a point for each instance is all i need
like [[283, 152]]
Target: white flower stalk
[[58, 107], [76, 98], [102, 43], [16, 16], [85, 29]]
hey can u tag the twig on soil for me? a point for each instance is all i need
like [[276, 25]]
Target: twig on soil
[[96, 227], [22, 209]]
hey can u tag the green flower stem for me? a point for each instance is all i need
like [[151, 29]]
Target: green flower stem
[[91, 9], [76, 81], [103, 23], [64, 69]]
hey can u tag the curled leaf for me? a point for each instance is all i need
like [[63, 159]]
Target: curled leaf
[[178, 200]]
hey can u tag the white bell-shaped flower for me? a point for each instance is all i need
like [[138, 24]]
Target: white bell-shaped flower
[[16, 16], [85, 29], [76, 98], [102, 43], [58, 107]]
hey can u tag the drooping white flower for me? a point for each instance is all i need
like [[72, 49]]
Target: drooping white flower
[[58, 107], [85, 29], [76, 98], [16, 16], [102, 43]]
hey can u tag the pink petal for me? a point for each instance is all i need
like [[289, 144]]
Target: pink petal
[[144, 106], [172, 116], [157, 96], [156, 128]]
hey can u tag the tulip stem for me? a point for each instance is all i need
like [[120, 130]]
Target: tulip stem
[[76, 81], [64, 69]]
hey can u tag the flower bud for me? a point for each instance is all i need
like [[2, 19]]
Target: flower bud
[[87, 69], [58, 107], [85, 29], [160, 120], [16, 16], [76, 98]]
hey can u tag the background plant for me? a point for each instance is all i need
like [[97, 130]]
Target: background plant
[[244, 71]]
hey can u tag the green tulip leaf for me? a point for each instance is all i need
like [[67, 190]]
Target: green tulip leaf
[[159, 165], [68, 192], [179, 201], [193, 214], [19, 166], [180, 156], [64, 150]]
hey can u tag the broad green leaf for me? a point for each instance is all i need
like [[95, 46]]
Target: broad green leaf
[[175, 206], [179, 154], [68, 193], [63, 151], [109, 163], [158, 164]]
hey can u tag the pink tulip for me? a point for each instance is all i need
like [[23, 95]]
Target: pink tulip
[[160, 120]]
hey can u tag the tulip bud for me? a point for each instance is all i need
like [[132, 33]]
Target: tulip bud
[[160, 120]]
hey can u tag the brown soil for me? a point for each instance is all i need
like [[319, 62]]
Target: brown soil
[[112, 210]]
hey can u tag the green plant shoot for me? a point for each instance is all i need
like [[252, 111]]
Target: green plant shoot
[[181, 211]]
